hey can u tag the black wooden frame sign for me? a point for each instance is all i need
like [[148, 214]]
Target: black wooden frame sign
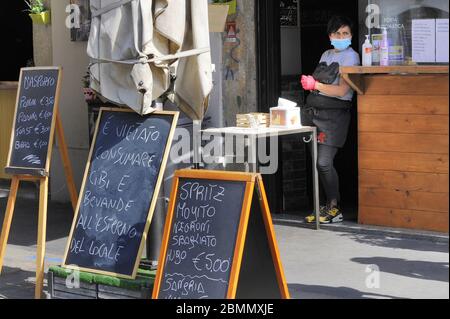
[[120, 188], [219, 241]]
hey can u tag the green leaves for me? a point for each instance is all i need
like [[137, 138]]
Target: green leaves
[[35, 6]]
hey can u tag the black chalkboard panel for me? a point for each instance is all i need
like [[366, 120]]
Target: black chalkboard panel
[[289, 13], [32, 135], [119, 191], [202, 239]]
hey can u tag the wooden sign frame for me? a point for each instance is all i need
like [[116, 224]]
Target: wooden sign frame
[[35, 171], [37, 175], [254, 184], [152, 203]]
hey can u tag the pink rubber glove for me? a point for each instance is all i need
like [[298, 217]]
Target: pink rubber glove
[[308, 83]]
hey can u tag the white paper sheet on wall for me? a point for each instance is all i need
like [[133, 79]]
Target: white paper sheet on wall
[[424, 40], [442, 40]]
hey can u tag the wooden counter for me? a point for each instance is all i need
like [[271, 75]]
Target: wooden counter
[[8, 92], [403, 133]]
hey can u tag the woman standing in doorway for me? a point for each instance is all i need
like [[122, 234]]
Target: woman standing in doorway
[[328, 108]]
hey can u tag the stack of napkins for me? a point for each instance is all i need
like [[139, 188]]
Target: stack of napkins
[[285, 115]]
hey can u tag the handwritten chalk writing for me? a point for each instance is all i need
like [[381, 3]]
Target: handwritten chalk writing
[[201, 246], [33, 159], [38, 81], [106, 126], [41, 129], [44, 114], [193, 241], [76, 246], [39, 144], [136, 133], [108, 224], [47, 101], [186, 227], [120, 157], [176, 256], [120, 186], [119, 204], [197, 212], [26, 102], [122, 183], [19, 145], [115, 227], [210, 263], [185, 286], [202, 193], [111, 252], [24, 130], [23, 117], [33, 119], [99, 179]]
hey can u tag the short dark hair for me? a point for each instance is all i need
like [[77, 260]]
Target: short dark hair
[[337, 22]]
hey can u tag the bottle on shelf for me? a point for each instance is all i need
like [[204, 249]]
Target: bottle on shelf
[[384, 48], [367, 52]]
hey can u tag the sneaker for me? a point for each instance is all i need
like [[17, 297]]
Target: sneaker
[[332, 216], [312, 218]]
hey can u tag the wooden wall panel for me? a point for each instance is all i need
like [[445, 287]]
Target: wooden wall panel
[[422, 220], [400, 104], [404, 162], [404, 181], [403, 158], [404, 143], [382, 197], [404, 123], [427, 85]]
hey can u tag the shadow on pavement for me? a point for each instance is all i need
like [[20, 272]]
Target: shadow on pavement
[[398, 243], [16, 283], [426, 270], [299, 291], [23, 230]]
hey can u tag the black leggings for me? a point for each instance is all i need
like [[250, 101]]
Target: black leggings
[[327, 173]]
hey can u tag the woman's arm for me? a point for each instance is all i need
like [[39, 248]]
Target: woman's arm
[[339, 90]]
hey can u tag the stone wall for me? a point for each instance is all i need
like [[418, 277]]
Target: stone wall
[[42, 42], [239, 64]]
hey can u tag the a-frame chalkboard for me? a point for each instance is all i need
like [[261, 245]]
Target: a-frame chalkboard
[[219, 241], [119, 192]]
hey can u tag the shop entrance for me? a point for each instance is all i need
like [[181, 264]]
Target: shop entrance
[[17, 51], [293, 41], [17, 32]]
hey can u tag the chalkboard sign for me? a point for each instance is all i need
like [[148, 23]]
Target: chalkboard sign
[[289, 13], [34, 121], [119, 192], [204, 237]]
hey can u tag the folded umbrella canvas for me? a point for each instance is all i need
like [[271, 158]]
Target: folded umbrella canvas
[[142, 49]]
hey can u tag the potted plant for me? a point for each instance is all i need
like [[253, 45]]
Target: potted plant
[[232, 5], [38, 12]]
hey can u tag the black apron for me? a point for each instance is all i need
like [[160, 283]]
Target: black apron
[[331, 117]]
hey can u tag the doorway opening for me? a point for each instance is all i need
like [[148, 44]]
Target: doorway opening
[[303, 39], [17, 33]]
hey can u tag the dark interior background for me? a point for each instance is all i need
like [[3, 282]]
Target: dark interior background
[[315, 41], [17, 37]]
